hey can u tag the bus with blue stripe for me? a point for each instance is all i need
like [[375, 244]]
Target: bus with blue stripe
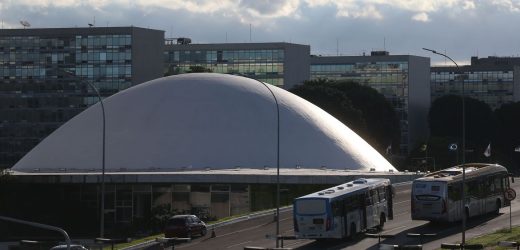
[[344, 210]]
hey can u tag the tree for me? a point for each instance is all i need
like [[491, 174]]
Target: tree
[[361, 108], [445, 121], [508, 135], [198, 69], [333, 101]]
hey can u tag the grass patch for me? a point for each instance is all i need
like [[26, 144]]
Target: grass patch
[[491, 240]]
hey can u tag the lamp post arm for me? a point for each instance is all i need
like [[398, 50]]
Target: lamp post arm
[[441, 54], [34, 224], [102, 215]]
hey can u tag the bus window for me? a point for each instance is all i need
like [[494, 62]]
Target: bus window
[[506, 182], [311, 206], [374, 196], [368, 199], [498, 183], [382, 193], [336, 208], [454, 192], [490, 184]]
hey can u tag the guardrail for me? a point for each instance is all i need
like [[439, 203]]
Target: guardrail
[[39, 225], [461, 246], [112, 242], [509, 244]]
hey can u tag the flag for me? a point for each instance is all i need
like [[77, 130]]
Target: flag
[[487, 152], [453, 146], [517, 149], [389, 149]]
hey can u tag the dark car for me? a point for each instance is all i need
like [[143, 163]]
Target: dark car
[[184, 226]]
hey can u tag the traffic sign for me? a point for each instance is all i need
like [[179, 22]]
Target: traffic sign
[[510, 194]]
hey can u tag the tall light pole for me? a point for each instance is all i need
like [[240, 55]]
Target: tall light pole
[[277, 164], [463, 205], [102, 219], [102, 215]]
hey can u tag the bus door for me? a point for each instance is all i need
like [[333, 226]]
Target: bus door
[[371, 218], [354, 214], [389, 198]]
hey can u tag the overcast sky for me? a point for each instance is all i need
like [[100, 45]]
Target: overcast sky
[[460, 28]]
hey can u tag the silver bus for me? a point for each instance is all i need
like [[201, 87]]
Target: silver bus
[[343, 210], [437, 196]]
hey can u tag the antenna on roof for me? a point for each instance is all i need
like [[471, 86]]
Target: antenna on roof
[[93, 23], [25, 24]]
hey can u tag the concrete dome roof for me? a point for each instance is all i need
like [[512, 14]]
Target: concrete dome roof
[[194, 121]]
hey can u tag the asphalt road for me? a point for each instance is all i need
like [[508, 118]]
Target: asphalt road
[[253, 232]]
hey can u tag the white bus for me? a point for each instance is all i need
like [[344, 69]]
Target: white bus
[[343, 210], [437, 196]]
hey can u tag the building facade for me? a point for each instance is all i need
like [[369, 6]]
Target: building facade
[[402, 79], [44, 75], [493, 80], [280, 64]]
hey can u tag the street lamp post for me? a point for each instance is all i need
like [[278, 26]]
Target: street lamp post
[[463, 205], [102, 215], [277, 165], [102, 219]]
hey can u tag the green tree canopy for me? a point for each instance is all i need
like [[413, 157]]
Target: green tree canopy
[[508, 124], [445, 122], [361, 108], [445, 119]]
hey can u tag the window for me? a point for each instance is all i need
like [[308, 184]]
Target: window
[[454, 192], [307, 207]]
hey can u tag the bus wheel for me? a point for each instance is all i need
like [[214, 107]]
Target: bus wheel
[[382, 221]]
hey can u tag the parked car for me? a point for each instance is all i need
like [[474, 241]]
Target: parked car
[[184, 226]]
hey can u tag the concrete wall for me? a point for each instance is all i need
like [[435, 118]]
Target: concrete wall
[[419, 100], [296, 65], [147, 55]]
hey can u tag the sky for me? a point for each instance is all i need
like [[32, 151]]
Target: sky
[[459, 28]]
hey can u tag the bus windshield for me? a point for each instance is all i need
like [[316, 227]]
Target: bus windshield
[[311, 206]]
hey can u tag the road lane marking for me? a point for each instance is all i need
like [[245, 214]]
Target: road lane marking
[[245, 242]]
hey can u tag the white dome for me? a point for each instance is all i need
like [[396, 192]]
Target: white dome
[[196, 121]]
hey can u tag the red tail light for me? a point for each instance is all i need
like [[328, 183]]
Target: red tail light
[[444, 206], [328, 225], [296, 229]]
